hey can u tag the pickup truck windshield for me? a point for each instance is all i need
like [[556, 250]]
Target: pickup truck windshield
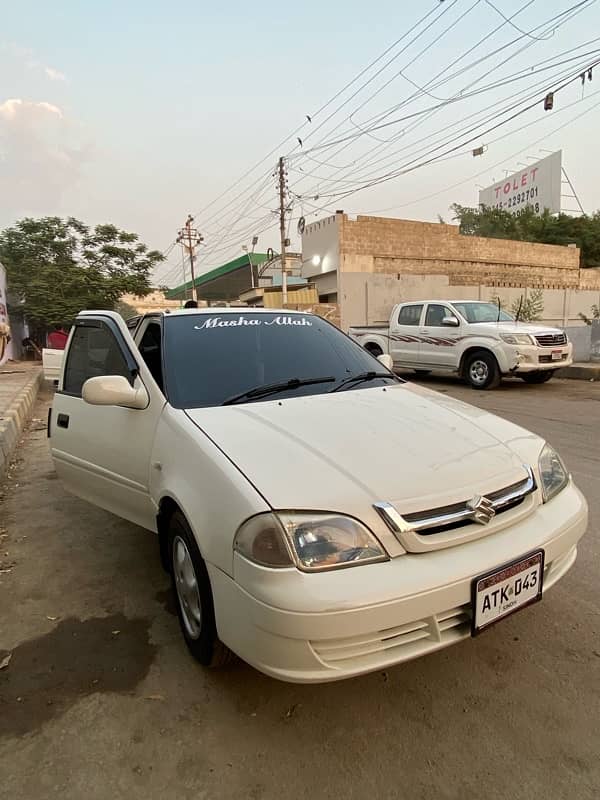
[[482, 312], [213, 358]]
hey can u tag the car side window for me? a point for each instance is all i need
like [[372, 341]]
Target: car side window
[[150, 348], [94, 351], [435, 314], [410, 315]]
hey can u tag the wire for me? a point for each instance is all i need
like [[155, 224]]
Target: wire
[[516, 27], [410, 167], [498, 163], [297, 130], [557, 20], [495, 112]]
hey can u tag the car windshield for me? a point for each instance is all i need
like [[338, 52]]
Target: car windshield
[[482, 312], [213, 358]]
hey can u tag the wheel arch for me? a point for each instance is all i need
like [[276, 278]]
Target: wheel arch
[[374, 347], [471, 350], [166, 508]]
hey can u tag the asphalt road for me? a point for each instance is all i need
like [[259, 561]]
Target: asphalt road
[[100, 699]]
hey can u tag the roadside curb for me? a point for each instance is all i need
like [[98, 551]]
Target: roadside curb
[[13, 420], [583, 372]]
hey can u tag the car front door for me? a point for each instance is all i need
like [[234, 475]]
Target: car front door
[[102, 453], [404, 335], [438, 340]]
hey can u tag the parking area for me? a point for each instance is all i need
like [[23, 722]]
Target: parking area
[[100, 699]]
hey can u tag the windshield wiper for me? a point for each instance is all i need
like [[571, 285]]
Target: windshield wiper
[[363, 376], [274, 388]]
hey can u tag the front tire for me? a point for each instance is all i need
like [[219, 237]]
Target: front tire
[[537, 377], [193, 595], [481, 370]]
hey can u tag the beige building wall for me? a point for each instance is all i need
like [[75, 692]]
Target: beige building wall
[[155, 301], [395, 246], [368, 299]]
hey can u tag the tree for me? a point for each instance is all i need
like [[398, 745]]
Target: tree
[[562, 229], [55, 267], [595, 315], [525, 309]]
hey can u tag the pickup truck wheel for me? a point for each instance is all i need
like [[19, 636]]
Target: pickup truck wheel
[[374, 349], [191, 586], [537, 377], [481, 370]]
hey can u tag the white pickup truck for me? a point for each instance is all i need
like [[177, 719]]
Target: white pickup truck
[[472, 338], [318, 515]]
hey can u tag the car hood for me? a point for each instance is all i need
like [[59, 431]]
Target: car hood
[[336, 452], [535, 329]]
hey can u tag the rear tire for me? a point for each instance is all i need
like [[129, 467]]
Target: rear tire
[[481, 370], [537, 377], [193, 596]]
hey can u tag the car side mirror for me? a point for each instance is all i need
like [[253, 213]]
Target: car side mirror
[[386, 360], [451, 322], [114, 390]]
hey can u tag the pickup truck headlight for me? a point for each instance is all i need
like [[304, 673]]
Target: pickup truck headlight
[[553, 473], [516, 338], [311, 542]]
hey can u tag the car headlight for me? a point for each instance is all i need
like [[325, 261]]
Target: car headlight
[[516, 338], [311, 542], [553, 473]]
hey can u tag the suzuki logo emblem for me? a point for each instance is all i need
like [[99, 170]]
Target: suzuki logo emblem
[[482, 509]]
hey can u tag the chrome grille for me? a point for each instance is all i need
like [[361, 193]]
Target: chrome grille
[[457, 515], [551, 339]]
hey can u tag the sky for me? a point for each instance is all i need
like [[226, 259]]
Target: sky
[[139, 113]]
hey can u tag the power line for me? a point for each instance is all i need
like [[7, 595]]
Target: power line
[[498, 163]]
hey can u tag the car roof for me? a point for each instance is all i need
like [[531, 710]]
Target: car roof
[[178, 312], [436, 300]]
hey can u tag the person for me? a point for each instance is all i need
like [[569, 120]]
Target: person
[[57, 340], [191, 304]]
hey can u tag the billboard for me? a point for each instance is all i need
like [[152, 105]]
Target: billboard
[[4, 329], [537, 186]]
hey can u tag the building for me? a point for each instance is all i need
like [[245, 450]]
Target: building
[[228, 282], [366, 265]]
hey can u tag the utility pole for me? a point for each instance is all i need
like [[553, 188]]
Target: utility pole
[[190, 239], [282, 186]]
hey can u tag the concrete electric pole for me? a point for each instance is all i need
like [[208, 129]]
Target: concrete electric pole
[[190, 239], [282, 186]]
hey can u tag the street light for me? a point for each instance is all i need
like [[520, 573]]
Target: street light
[[316, 260]]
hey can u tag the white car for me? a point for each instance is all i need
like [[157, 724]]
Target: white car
[[319, 517], [475, 339]]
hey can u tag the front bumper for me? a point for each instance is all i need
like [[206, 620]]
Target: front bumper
[[539, 359], [323, 627]]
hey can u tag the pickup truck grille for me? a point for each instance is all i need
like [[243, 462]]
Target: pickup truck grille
[[446, 518], [551, 339]]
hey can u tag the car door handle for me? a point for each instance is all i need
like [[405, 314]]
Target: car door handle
[[62, 420]]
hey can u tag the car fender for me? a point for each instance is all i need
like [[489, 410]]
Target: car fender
[[190, 470], [505, 355]]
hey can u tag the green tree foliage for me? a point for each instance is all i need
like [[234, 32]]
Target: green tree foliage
[[525, 309], [563, 229], [57, 267], [595, 315]]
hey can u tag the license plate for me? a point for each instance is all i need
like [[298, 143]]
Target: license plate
[[506, 590], [556, 355]]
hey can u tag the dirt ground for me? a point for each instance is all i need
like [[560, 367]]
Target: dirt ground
[[101, 700]]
